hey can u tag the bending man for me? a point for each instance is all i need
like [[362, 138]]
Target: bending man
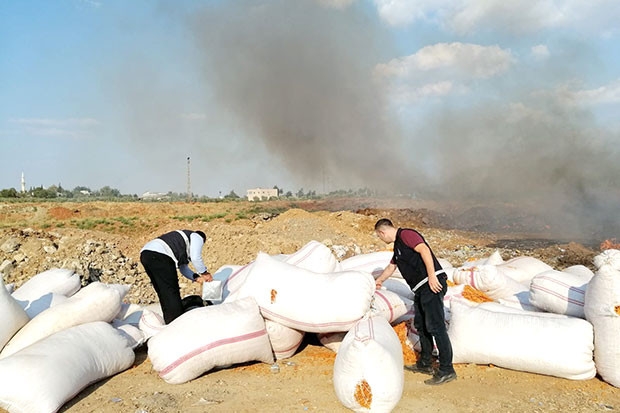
[[162, 256]]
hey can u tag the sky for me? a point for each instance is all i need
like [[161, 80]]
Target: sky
[[453, 99]]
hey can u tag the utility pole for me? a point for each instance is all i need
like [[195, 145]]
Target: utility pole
[[189, 193]]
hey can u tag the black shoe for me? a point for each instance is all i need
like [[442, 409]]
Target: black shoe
[[420, 369], [440, 379]]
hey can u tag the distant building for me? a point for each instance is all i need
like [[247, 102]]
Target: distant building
[[154, 195], [261, 193]]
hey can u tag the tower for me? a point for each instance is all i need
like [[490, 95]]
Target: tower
[[189, 193], [23, 183]]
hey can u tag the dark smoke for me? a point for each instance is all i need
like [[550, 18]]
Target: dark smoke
[[298, 77]]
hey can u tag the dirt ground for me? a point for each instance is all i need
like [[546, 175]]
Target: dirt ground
[[237, 231]]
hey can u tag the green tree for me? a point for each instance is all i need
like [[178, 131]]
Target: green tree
[[9, 193], [231, 195]]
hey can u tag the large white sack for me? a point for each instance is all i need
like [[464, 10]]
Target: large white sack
[[559, 292], [399, 286], [61, 281], [236, 276], [602, 308], [231, 277], [368, 371], [549, 344], [151, 320], [308, 301], [373, 262], [44, 376], [331, 341], [581, 270], [95, 302], [389, 305], [519, 301], [12, 315], [489, 280], [209, 337], [36, 307], [523, 269], [314, 256], [284, 340], [609, 257]]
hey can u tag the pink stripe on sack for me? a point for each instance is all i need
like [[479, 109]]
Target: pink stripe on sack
[[234, 274], [472, 278], [371, 331], [145, 321], [558, 295], [558, 282], [310, 250], [388, 304], [304, 324], [191, 354]]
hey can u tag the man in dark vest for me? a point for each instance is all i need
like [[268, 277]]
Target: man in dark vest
[[421, 269], [162, 256]]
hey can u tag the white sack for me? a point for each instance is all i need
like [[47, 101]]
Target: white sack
[[209, 337], [368, 371], [129, 314], [494, 259], [308, 301], [230, 278], [559, 292], [331, 340], [602, 304], [581, 270], [520, 301], [134, 336], [523, 269], [552, 344], [151, 320], [36, 307], [61, 281], [284, 340], [609, 257], [44, 376], [398, 286], [95, 302], [389, 305], [315, 257], [489, 280], [373, 262], [12, 315], [236, 276]]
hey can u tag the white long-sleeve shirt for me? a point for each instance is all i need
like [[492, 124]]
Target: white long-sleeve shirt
[[195, 254]]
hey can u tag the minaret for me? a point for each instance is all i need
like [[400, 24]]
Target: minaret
[[23, 183]]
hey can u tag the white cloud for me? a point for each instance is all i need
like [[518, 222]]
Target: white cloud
[[540, 51], [607, 94], [406, 94], [459, 59], [468, 16], [403, 12]]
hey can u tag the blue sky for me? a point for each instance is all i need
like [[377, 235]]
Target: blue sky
[[463, 97]]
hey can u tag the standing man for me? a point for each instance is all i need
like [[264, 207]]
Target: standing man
[[162, 256], [424, 275]]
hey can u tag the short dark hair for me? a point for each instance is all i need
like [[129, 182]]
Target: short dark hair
[[202, 234], [383, 222]]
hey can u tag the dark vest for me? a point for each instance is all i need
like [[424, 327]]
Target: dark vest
[[178, 245], [409, 262]]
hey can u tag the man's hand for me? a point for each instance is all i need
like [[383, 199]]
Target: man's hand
[[434, 283], [204, 277]]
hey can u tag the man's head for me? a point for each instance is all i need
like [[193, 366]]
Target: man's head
[[385, 230], [202, 234]]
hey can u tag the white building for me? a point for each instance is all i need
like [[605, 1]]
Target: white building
[[261, 193]]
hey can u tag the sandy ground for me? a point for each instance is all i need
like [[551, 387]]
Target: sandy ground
[[237, 231]]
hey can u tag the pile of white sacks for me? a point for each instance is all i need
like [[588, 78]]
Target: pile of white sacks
[[542, 321]]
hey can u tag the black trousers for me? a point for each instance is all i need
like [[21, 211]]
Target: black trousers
[[162, 271], [430, 322]]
